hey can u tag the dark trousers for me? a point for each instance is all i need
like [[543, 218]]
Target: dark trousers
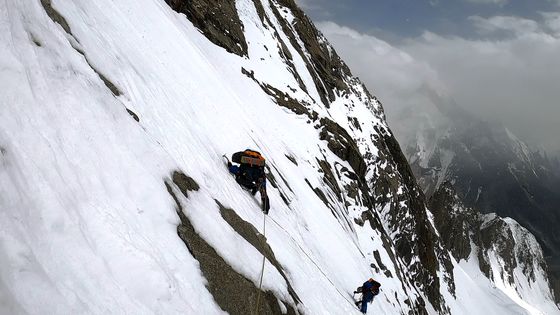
[[366, 298], [246, 183]]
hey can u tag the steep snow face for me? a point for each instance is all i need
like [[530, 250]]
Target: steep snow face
[[104, 101], [87, 223]]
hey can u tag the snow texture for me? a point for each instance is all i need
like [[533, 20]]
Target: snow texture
[[86, 223]]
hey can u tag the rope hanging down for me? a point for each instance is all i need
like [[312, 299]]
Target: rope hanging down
[[262, 269], [313, 262], [303, 251]]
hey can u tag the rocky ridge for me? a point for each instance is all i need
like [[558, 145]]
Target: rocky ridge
[[503, 248]]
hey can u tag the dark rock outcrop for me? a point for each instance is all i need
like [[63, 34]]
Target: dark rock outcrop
[[232, 291], [133, 115], [497, 236], [56, 16], [407, 214], [454, 221], [460, 226], [217, 20], [342, 144], [328, 69], [255, 238]]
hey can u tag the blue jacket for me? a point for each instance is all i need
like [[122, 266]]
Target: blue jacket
[[252, 174], [234, 169], [371, 287], [367, 286]]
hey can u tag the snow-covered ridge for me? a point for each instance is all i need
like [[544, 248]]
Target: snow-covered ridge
[[505, 252], [114, 117], [516, 264]]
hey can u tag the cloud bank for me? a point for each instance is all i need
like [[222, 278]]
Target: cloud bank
[[510, 73], [496, 2]]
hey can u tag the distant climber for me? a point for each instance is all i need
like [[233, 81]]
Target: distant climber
[[250, 174], [369, 290]]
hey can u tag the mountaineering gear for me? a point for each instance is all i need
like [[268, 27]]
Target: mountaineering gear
[[249, 157], [369, 290], [250, 174]]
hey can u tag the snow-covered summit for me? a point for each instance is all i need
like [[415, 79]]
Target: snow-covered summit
[[115, 199]]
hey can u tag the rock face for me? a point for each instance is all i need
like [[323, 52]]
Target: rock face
[[218, 20], [457, 224], [330, 72], [516, 247]]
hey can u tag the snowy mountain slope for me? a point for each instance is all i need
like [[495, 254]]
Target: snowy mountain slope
[[114, 117]]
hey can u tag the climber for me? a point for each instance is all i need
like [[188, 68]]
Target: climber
[[369, 290], [250, 174]]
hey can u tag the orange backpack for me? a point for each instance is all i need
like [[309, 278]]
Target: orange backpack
[[249, 157]]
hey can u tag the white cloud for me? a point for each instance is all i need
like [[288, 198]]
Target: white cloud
[[393, 75], [552, 22], [515, 79], [516, 25], [318, 7], [496, 2], [386, 69], [305, 4]]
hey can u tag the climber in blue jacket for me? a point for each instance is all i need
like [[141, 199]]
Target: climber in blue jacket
[[369, 289], [250, 174]]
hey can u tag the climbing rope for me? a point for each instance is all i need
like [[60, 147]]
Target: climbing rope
[[314, 263], [262, 268]]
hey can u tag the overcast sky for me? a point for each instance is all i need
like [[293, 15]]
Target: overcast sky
[[500, 59]]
